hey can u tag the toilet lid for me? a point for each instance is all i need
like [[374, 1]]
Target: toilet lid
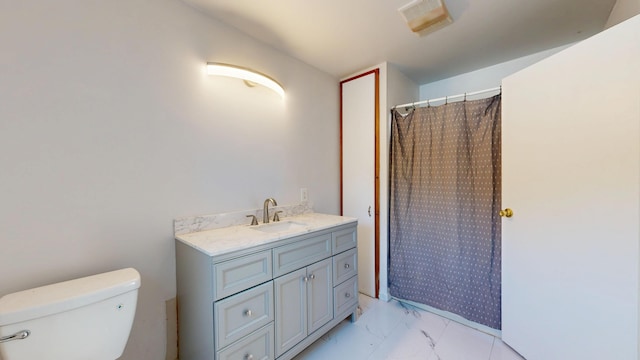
[[55, 298]]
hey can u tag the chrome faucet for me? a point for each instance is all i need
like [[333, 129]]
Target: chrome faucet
[[265, 215]]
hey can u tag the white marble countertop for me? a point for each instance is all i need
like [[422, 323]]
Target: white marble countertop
[[233, 238]]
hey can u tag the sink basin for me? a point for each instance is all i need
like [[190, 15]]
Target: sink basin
[[279, 226]]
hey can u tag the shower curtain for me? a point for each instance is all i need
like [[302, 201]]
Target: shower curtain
[[444, 227]]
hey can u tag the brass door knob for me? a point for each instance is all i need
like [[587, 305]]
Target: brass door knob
[[506, 213]]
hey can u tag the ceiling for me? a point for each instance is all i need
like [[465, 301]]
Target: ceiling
[[341, 37]]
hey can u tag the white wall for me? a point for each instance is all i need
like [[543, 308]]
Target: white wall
[[110, 129], [623, 10], [398, 89], [482, 79]]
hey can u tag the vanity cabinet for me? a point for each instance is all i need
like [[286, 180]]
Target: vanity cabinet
[[268, 301]]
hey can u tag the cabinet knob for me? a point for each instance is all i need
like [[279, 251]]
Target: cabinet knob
[[346, 266], [248, 357], [248, 313], [312, 276], [305, 279], [347, 295]]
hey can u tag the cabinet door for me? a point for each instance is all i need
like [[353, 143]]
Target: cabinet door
[[291, 310], [233, 276], [361, 171], [257, 346], [346, 297], [344, 266], [344, 240], [301, 253], [319, 294], [243, 313]]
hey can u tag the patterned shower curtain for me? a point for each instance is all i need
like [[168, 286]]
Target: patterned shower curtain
[[444, 226]]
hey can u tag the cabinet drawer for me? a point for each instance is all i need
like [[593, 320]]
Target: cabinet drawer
[[257, 346], [239, 315], [239, 274], [345, 265], [345, 296], [344, 240], [300, 254]]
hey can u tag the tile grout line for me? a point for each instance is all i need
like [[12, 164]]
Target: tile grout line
[[493, 345]]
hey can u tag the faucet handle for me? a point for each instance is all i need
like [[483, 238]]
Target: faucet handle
[[276, 217], [254, 220]]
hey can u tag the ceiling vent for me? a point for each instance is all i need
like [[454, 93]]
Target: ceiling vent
[[425, 16]]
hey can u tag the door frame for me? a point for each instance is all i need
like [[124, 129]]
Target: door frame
[[376, 166]]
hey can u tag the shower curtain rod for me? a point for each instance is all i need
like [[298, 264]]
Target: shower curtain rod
[[447, 98]]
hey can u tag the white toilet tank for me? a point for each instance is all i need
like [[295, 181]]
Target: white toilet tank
[[81, 319]]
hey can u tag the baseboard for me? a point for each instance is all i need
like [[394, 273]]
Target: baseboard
[[384, 296]]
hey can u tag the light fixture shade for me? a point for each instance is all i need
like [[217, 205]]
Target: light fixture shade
[[245, 74]]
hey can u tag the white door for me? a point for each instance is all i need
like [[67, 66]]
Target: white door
[[571, 174], [358, 170]]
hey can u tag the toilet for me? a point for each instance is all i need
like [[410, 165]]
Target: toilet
[[81, 319]]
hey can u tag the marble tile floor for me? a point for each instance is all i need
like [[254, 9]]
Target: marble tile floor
[[395, 331]]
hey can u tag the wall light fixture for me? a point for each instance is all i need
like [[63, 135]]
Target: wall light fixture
[[250, 77]]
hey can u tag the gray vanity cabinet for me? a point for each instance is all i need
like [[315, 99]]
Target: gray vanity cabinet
[[267, 301], [304, 303]]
